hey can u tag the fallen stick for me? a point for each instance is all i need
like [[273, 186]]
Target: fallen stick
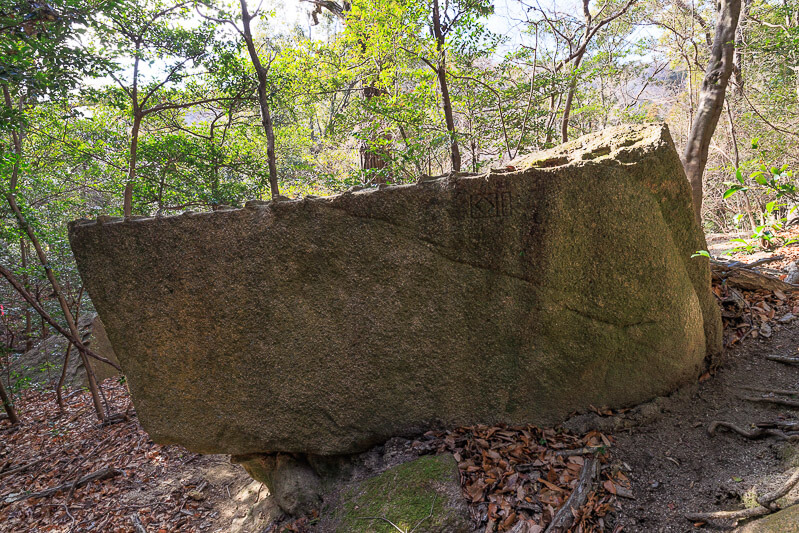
[[585, 450], [786, 425], [783, 359], [26, 466], [103, 473], [748, 279], [564, 518], [776, 401]]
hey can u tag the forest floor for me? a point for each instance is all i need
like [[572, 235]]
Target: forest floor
[[662, 461]]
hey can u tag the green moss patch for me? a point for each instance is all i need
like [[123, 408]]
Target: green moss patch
[[405, 495]]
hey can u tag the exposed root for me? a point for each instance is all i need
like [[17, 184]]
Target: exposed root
[[772, 399], [754, 512], [783, 392], [767, 499], [757, 433], [783, 359]]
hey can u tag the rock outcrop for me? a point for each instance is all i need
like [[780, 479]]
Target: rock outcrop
[[42, 364], [326, 325]]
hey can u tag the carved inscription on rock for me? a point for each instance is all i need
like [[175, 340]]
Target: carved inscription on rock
[[489, 204]]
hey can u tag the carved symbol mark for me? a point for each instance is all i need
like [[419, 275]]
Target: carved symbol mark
[[490, 204]]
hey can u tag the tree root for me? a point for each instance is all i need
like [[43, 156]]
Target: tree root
[[772, 399], [757, 433], [770, 497], [783, 359], [766, 501], [782, 392]]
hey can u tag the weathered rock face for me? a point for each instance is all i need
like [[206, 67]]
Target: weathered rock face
[[326, 325]]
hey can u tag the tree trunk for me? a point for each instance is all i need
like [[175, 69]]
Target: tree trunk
[[263, 98], [127, 209], [711, 99], [23, 247], [9, 407], [23, 223], [59, 399], [737, 61], [567, 106], [441, 72], [374, 158], [73, 328]]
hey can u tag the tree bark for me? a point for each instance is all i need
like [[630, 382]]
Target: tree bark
[[59, 399], [711, 99], [23, 247], [127, 206], [567, 106], [737, 60], [374, 158], [263, 98], [9, 407]]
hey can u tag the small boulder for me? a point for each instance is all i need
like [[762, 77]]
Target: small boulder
[[294, 485]]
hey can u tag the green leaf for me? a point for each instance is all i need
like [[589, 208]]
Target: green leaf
[[739, 175], [732, 190], [701, 253]]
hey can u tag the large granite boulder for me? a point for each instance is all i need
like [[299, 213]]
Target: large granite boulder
[[326, 325]]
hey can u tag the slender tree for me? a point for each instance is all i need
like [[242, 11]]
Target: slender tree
[[711, 98]]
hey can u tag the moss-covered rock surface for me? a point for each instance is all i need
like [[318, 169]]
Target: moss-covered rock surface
[[423, 494], [785, 521]]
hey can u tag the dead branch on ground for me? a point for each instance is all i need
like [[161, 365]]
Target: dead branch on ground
[[565, 516], [103, 473], [744, 276]]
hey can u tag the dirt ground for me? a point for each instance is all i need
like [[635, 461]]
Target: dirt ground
[[676, 467]]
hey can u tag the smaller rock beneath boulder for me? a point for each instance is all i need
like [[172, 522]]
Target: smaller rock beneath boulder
[[296, 488]]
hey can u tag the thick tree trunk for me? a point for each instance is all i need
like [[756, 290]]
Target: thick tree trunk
[[711, 99]]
